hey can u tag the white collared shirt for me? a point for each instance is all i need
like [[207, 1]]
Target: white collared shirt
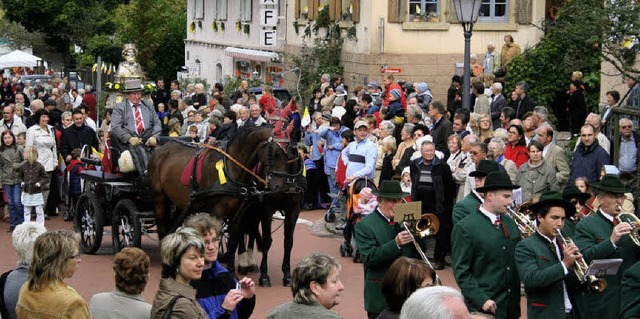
[[493, 217]]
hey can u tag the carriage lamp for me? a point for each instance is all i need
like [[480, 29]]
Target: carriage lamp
[[467, 12]]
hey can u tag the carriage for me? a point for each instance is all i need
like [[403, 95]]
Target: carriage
[[122, 202]]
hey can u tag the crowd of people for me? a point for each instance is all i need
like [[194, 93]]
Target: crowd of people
[[472, 167]]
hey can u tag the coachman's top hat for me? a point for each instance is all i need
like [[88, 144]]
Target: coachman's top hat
[[553, 199], [611, 184], [390, 189], [131, 86], [497, 181]]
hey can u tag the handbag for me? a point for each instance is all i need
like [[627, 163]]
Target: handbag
[[167, 314]]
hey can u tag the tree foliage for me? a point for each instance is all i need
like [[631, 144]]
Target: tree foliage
[[584, 34], [320, 58], [18, 38]]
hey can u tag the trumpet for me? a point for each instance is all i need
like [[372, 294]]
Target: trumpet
[[525, 225], [580, 267], [633, 220], [437, 282]]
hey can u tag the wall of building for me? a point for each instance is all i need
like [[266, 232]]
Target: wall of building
[[611, 79], [425, 51]]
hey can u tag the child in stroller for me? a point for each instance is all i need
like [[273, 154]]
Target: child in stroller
[[360, 202], [73, 178]]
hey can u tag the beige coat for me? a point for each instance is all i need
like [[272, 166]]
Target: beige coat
[[557, 159], [187, 308], [56, 301]]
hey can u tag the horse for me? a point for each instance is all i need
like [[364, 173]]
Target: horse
[[288, 201], [223, 200]]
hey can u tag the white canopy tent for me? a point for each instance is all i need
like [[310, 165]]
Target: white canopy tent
[[18, 58]]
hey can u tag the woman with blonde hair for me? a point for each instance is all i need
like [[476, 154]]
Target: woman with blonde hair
[[182, 262], [45, 294], [485, 129]]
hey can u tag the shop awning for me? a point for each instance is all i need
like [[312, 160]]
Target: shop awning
[[253, 55]]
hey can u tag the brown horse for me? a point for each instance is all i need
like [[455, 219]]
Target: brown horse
[[249, 147], [288, 201]]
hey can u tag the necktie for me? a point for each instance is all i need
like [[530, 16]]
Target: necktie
[[391, 222], [139, 123], [499, 224], [615, 222]]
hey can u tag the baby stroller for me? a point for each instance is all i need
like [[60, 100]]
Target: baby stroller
[[353, 195]]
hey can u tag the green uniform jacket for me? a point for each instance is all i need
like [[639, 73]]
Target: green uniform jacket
[[592, 238], [465, 207], [569, 229], [484, 264], [543, 275], [630, 295], [378, 249]]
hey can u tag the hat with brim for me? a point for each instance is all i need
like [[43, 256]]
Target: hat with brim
[[326, 117], [497, 181], [390, 189], [360, 124], [131, 86], [553, 199], [572, 192], [484, 168], [611, 184]]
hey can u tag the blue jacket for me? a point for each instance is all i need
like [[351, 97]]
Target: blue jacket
[[334, 139], [361, 158], [312, 140], [588, 161], [212, 288]]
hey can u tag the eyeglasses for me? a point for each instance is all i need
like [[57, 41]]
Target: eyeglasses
[[214, 241], [510, 132], [75, 256], [474, 153], [625, 127], [586, 135], [7, 112]]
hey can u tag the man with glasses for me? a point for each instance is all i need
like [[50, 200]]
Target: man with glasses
[[628, 158], [477, 153], [589, 157]]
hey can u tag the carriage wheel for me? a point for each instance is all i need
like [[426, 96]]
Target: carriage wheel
[[125, 226], [89, 222]]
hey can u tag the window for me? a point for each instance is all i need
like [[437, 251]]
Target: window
[[494, 11], [246, 10], [424, 9], [198, 10], [347, 10], [220, 10], [303, 12]]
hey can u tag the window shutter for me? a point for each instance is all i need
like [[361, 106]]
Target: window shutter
[[451, 12], [335, 10], [393, 14], [524, 11], [313, 9], [355, 16], [296, 9]]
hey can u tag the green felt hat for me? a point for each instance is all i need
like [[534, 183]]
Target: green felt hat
[[497, 181], [484, 168], [611, 184], [390, 189], [553, 199]]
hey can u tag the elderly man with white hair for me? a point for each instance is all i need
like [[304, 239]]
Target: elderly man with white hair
[[254, 115], [23, 238], [438, 302], [498, 102], [628, 159], [491, 63]]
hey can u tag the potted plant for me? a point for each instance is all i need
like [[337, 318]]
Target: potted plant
[[433, 17]]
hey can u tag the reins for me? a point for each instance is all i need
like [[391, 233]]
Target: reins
[[235, 161]]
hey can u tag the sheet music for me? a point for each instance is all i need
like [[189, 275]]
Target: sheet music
[[604, 267]]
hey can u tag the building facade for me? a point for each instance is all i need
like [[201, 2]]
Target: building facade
[[420, 39]]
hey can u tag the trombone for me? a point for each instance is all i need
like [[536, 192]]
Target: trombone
[[591, 282], [422, 254], [633, 220]]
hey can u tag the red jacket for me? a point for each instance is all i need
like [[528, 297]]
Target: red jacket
[[341, 172], [268, 103], [403, 98], [518, 154]]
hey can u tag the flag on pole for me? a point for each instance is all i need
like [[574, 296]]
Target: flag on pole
[[306, 118]]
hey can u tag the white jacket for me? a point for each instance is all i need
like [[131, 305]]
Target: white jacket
[[45, 143]]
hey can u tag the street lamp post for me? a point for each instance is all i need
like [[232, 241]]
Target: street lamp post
[[467, 13]]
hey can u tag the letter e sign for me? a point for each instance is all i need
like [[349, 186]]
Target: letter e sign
[[268, 38]]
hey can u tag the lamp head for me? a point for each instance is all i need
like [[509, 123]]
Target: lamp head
[[467, 11]]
